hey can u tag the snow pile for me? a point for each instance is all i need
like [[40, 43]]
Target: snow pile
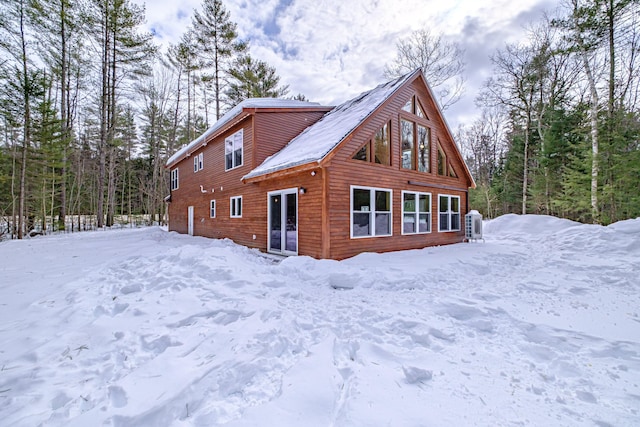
[[540, 325]]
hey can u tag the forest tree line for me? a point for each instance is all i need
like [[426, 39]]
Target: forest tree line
[[559, 132], [91, 109]]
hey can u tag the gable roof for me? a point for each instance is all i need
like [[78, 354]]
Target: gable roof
[[235, 112], [316, 141]]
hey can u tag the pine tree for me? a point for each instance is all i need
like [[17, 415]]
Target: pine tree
[[253, 79], [124, 52], [218, 43]]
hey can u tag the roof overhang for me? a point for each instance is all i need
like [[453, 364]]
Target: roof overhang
[[282, 172]]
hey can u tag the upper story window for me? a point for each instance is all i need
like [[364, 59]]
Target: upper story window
[[415, 145], [174, 179], [233, 150], [198, 163], [378, 148], [415, 137], [413, 106], [444, 166]]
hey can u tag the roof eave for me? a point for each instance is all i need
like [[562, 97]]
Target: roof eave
[[282, 172], [243, 114]]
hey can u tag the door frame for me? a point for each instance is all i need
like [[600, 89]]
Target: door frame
[[283, 230], [190, 220]]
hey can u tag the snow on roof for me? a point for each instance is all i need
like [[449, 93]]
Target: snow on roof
[[235, 112], [315, 142]]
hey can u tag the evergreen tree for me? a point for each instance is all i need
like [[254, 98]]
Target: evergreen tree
[[124, 52], [218, 43], [253, 79]]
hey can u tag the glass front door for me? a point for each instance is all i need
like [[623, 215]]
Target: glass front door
[[283, 222]]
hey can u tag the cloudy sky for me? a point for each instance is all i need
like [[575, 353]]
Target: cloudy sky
[[332, 50]]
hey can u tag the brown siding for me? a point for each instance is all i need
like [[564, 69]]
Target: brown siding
[[324, 209], [226, 184], [344, 172], [274, 130]]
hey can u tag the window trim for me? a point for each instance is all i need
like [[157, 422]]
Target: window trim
[[198, 163], [372, 212], [175, 180], [212, 208], [234, 138], [235, 203], [416, 212], [449, 214]]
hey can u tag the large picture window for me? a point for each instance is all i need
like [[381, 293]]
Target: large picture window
[[415, 138], [370, 212], [233, 150], [174, 179], [416, 212], [448, 213]]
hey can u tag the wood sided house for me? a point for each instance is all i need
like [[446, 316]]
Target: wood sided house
[[380, 172]]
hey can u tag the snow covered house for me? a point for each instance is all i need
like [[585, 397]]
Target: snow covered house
[[380, 172]]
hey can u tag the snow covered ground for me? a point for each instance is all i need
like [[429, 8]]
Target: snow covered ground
[[538, 326]]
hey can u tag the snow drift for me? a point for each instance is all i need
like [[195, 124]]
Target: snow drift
[[540, 325]]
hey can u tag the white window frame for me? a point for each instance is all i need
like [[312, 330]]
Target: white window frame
[[175, 182], [448, 214], [235, 206], [198, 163], [233, 144], [372, 211], [212, 209], [417, 212]]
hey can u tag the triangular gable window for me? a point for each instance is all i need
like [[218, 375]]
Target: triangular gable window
[[419, 110], [442, 161], [378, 148], [408, 107], [413, 106], [452, 173], [364, 153]]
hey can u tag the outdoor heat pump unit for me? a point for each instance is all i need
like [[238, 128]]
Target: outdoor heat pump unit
[[473, 226]]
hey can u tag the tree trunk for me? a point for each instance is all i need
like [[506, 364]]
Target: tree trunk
[[27, 124], [104, 103], [593, 118]]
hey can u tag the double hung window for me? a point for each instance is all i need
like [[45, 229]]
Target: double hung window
[[233, 150], [370, 212], [448, 213], [416, 212], [198, 163], [235, 207], [174, 179]]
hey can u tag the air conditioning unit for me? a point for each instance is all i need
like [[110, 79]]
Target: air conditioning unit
[[473, 226]]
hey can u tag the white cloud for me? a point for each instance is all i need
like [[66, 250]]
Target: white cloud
[[331, 50]]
